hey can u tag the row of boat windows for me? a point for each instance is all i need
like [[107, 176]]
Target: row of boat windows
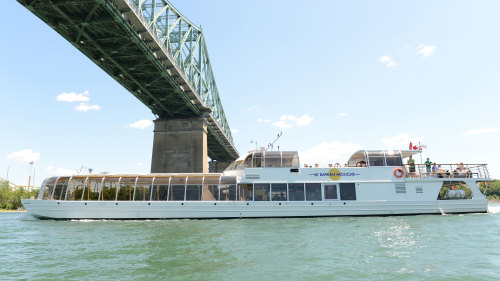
[[376, 158], [182, 189], [268, 159]]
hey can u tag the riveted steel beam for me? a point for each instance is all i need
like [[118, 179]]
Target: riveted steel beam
[[152, 50]]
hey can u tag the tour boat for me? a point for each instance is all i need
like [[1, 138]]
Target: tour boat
[[271, 184]]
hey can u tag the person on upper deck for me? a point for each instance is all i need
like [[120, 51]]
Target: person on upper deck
[[434, 168], [428, 164], [442, 172], [411, 165]]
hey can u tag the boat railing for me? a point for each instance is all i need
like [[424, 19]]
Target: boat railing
[[447, 171]]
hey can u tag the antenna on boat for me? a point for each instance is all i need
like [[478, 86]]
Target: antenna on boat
[[254, 141], [271, 145]]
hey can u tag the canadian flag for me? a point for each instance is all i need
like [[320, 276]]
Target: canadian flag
[[415, 147]]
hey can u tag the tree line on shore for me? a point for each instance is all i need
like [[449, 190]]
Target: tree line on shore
[[10, 199], [492, 191]]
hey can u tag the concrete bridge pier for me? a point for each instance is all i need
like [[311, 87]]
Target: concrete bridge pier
[[217, 166], [180, 146]]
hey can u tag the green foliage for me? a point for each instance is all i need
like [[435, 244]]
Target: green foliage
[[492, 191], [10, 199], [446, 187]]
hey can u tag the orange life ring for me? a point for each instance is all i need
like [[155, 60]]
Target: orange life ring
[[398, 173]]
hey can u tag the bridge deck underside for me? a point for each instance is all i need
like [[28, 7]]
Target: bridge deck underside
[[99, 30]]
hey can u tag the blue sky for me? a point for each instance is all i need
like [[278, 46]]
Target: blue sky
[[333, 76]]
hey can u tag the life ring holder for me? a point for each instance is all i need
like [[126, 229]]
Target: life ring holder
[[398, 172]]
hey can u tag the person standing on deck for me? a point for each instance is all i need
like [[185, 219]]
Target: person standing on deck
[[411, 165], [428, 165]]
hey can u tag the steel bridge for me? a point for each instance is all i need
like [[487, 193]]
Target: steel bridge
[[153, 51]]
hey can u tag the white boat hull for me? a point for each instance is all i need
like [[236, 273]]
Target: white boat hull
[[53, 209]]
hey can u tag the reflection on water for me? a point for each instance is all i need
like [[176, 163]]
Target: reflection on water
[[353, 248]]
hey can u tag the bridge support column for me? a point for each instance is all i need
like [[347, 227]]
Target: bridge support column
[[217, 166], [180, 146]]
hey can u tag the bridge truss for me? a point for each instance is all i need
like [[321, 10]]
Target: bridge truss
[[153, 51]]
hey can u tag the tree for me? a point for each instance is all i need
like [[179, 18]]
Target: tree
[[10, 199], [492, 191]]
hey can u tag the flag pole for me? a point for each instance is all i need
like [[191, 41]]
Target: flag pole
[[420, 148]]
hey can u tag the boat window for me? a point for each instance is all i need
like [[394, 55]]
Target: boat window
[[108, 190], [278, 192], [211, 188], [60, 188], [42, 187], [91, 189], [313, 191], [177, 188], [290, 159], [376, 158], [142, 189], [453, 190], [193, 188], [347, 191], [228, 188], [357, 159], [160, 189], [257, 160], [330, 191], [245, 192], [248, 161], [393, 158], [48, 188], [272, 159], [261, 192], [296, 191], [236, 165], [75, 188], [126, 189]]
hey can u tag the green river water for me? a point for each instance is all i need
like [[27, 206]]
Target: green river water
[[425, 247]]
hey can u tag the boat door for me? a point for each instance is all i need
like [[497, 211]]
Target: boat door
[[330, 191]]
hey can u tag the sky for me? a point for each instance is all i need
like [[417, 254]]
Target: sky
[[332, 76]]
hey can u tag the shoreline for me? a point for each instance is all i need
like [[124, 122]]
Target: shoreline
[[493, 201]]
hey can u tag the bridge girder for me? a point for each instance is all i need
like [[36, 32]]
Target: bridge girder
[[153, 51]]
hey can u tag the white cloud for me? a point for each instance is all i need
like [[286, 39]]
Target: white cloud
[[426, 51], [235, 131], [304, 120], [83, 98], [73, 97], [25, 155], [141, 124], [400, 140], [140, 164], [481, 131], [260, 120], [288, 121], [329, 153], [343, 114], [84, 107], [60, 171], [282, 124], [387, 61]]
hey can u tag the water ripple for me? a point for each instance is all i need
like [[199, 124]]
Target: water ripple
[[366, 248]]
